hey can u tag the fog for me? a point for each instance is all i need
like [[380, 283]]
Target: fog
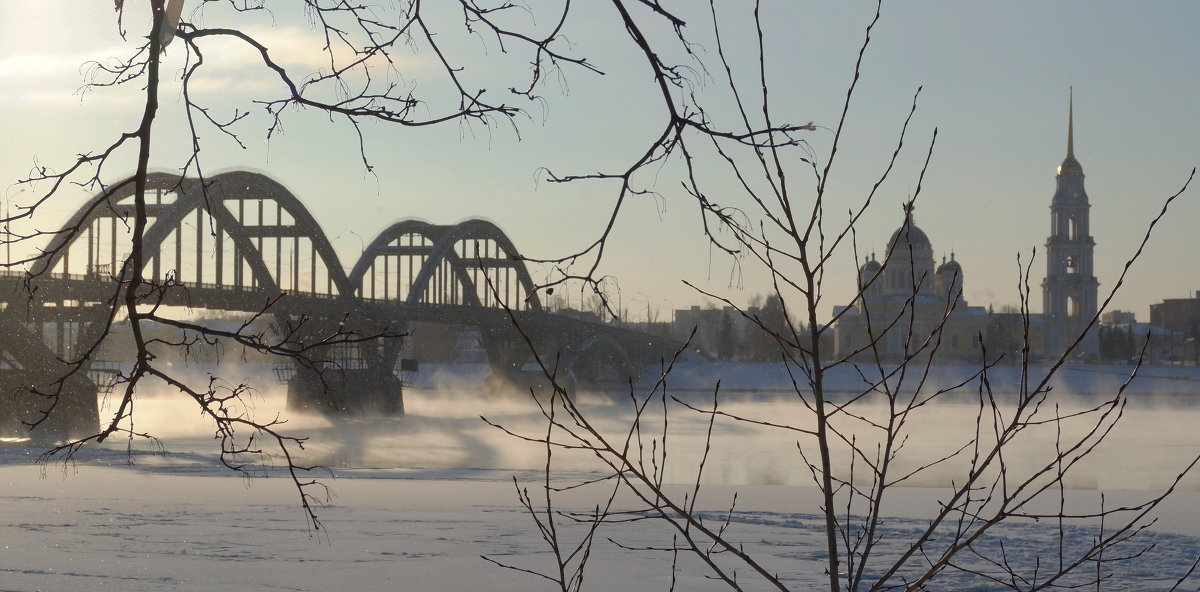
[[442, 429]]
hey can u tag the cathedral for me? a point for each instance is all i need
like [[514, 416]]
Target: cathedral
[[903, 301], [902, 304]]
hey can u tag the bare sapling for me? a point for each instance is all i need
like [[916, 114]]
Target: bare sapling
[[765, 197]]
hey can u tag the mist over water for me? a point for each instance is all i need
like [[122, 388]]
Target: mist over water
[[1154, 440]]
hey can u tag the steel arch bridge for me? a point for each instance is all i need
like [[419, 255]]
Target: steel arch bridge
[[242, 239]]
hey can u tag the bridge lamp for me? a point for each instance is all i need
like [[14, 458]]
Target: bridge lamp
[[7, 215], [362, 244]]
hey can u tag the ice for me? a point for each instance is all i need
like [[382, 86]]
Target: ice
[[417, 500]]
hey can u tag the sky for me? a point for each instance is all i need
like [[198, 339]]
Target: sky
[[995, 79]]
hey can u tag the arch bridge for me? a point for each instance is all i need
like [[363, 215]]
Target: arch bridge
[[242, 240]]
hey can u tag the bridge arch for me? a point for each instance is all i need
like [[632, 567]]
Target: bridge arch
[[275, 216], [447, 272], [249, 238], [405, 241], [105, 205]]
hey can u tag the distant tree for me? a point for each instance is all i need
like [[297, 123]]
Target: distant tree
[[1116, 343], [766, 312], [728, 342]]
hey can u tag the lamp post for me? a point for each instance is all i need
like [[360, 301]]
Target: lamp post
[[8, 236]]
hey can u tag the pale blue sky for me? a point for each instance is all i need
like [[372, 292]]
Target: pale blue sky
[[996, 78]]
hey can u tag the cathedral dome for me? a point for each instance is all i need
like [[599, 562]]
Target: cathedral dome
[[869, 269], [1070, 166], [869, 280], [950, 267], [948, 280], [910, 234]]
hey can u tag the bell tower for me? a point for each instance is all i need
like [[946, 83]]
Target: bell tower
[[1069, 290]]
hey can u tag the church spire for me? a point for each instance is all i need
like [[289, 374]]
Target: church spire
[[1071, 123], [1069, 165]]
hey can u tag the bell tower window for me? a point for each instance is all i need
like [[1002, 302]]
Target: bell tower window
[[1072, 228]]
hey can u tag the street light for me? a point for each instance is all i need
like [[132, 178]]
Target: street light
[[8, 237]]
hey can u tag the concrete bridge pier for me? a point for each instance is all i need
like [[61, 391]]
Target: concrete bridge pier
[[513, 372], [577, 358], [35, 387], [329, 390], [347, 379], [73, 415]]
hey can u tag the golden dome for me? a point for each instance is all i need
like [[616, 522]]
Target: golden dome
[[1070, 166]]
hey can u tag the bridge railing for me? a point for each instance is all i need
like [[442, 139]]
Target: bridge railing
[[231, 289]]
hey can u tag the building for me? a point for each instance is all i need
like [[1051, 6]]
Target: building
[[1069, 290], [1118, 317], [1179, 321], [1181, 315], [718, 331], [907, 307], [906, 303]]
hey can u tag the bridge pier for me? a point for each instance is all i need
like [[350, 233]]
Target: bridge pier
[[35, 387], [512, 369], [349, 378], [338, 392], [74, 415]]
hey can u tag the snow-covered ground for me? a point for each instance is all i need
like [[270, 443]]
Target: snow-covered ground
[[418, 499]]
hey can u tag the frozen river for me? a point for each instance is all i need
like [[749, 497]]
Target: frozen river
[[418, 499]]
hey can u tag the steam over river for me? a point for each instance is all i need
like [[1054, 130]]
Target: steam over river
[[1153, 441]]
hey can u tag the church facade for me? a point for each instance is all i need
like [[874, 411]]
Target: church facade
[[909, 309]]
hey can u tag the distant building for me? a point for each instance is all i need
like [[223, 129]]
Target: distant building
[[720, 332], [1009, 330], [1069, 290], [1118, 317], [903, 304], [748, 334], [707, 322], [1179, 318], [1181, 315]]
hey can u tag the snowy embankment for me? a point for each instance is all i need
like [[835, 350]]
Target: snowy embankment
[[1080, 379], [418, 499]]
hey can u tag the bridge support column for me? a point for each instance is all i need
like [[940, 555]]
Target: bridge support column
[[35, 387], [340, 392], [74, 415], [352, 378], [512, 369]]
